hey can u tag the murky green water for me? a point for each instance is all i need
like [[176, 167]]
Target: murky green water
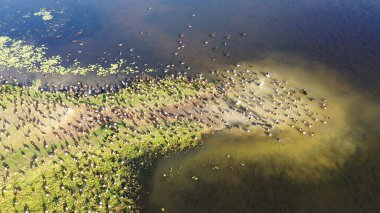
[[235, 174], [235, 171]]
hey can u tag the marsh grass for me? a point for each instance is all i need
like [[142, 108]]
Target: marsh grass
[[100, 170]]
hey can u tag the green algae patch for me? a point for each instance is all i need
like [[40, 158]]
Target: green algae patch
[[44, 14], [20, 55]]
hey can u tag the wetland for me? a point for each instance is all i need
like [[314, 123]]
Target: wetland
[[189, 106]]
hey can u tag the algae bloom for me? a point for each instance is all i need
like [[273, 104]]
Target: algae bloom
[[45, 14], [22, 56]]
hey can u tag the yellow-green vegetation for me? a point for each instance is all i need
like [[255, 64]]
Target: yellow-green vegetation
[[87, 149], [36, 118], [103, 177], [45, 14], [146, 91], [65, 152], [18, 54]]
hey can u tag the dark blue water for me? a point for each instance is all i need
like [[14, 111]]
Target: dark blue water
[[344, 35]]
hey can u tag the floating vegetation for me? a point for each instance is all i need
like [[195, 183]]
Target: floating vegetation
[[19, 55], [44, 14]]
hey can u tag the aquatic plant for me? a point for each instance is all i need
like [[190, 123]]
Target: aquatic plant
[[104, 177], [55, 162], [22, 56], [73, 148], [44, 14]]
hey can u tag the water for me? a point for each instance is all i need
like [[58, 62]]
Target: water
[[342, 35], [318, 39], [242, 174], [236, 171]]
